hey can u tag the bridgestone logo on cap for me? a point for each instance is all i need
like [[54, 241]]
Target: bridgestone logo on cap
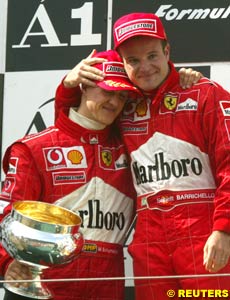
[[141, 26], [114, 69]]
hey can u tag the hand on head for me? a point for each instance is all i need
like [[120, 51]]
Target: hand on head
[[84, 73]]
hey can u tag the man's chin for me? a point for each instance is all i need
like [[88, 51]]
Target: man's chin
[[146, 87], [107, 122]]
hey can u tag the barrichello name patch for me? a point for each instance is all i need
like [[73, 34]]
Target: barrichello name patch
[[164, 201], [141, 25], [170, 199]]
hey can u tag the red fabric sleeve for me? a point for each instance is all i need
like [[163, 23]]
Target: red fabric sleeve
[[215, 122], [22, 182]]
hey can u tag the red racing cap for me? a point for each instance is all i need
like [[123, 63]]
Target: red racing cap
[[135, 24], [115, 76]]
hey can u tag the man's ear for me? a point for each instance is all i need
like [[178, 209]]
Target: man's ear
[[83, 87], [167, 51]]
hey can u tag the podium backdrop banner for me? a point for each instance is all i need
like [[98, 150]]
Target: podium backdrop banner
[[198, 31], [52, 35]]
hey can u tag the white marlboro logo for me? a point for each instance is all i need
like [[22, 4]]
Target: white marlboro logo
[[188, 104]]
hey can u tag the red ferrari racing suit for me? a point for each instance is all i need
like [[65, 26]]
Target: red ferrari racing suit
[[86, 171], [179, 144]]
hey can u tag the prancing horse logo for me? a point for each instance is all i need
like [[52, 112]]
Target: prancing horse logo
[[170, 102], [106, 157]]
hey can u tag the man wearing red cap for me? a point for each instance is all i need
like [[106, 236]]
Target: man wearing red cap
[[80, 164], [179, 144]]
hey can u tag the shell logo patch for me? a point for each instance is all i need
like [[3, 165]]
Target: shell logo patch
[[170, 102], [64, 158], [141, 108], [75, 156], [107, 158]]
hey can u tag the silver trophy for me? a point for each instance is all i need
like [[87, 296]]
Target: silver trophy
[[40, 235]]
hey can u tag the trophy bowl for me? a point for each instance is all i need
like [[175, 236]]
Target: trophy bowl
[[40, 235]]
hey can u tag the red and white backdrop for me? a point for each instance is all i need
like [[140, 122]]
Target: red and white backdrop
[[41, 40]]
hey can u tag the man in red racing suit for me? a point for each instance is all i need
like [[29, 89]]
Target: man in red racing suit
[[180, 174], [86, 171], [179, 145]]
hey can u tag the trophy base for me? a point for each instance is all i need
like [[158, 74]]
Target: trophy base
[[35, 291]]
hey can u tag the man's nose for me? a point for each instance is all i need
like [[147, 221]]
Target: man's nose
[[144, 65], [114, 99]]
